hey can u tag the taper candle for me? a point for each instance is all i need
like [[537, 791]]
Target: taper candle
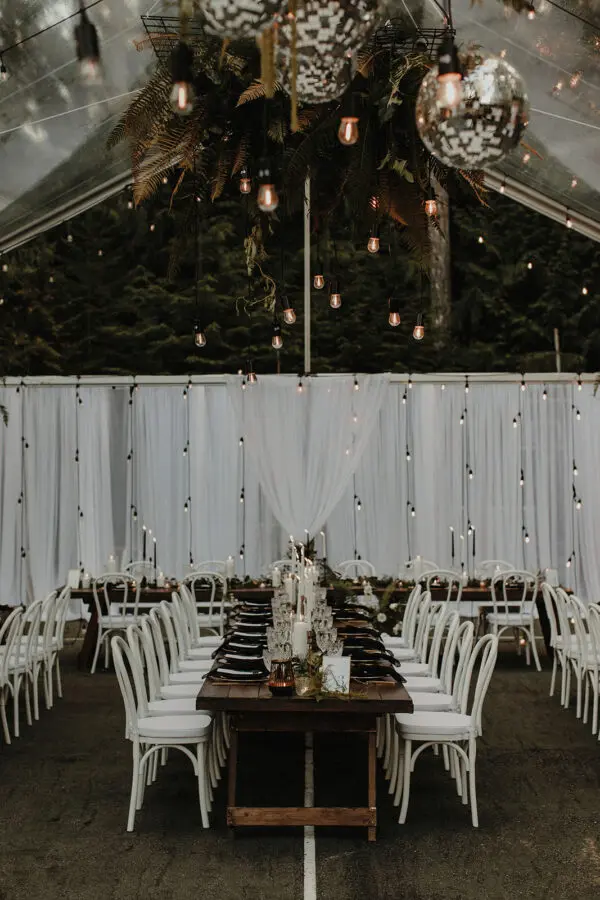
[[144, 544]]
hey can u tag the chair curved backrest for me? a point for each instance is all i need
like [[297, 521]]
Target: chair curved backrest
[[409, 620], [357, 566], [426, 565], [441, 577], [438, 625], [48, 621], [524, 585], [138, 666], [150, 656], [209, 565], [211, 611], [166, 617], [10, 637], [487, 568], [483, 654], [550, 604], [155, 622], [124, 667], [422, 623], [284, 565], [128, 600], [578, 612], [593, 620], [62, 607], [32, 620], [461, 646]]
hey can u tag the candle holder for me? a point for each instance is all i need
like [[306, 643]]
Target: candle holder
[[281, 678]]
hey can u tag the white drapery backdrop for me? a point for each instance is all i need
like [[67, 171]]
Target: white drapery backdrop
[[95, 461]]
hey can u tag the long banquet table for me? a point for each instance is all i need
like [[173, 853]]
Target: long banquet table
[[252, 708]]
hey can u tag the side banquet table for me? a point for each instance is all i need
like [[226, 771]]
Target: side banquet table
[[253, 708]]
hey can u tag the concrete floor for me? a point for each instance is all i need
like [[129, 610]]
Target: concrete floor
[[64, 792]]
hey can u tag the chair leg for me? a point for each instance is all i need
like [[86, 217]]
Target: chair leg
[[202, 786], [406, 781], [99, 640], [554, 670], [394, 768], [35, 681], [464, 792], [16, 690], [5, 729], [58, 677], [534, 650], [134, 786], [595, 703], [578, 676], [586, 699], [472, 787], [27, 699]]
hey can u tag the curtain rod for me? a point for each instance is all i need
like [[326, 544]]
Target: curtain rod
[[220, 380]]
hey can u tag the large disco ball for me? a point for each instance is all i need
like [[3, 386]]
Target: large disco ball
[[488, 123], [237, 18], [332, 28]]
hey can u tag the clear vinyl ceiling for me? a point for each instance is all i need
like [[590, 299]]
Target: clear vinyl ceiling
[[53, 128]]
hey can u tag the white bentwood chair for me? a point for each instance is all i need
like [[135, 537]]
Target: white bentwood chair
[[356, 568], [150, 734], [444, 578], [521, 621], [114, 615], [487, 568], [210, 611], [458, 731]]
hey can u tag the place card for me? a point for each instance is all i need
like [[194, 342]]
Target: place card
[[336, 675]]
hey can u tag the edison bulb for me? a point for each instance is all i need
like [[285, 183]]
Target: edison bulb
[[394, 319], [431, 208], [373, 244], [267, 198], [449, 91], [348, 131], [335, 300], [419, 334], [199, 337], [319, 282], [289, 315], [182, 98], [276, 340], [245, 185]]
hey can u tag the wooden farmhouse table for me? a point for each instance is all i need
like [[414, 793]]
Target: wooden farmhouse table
[[252, 708]]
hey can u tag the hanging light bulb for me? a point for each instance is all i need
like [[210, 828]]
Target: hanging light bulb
[[526, 537], [319, 280], [3, 71], [407, 454], [289, 313], [183, 95], [578, 415], [569, 563], [358, 505], [199, 336], [348, 130], [578, 503], [574, 468], [88, 49], [531, 13], [515, 423], [245, 181], [373, 242], [544, 394], [449, 92], [335, 298], [356, 384], [431, 207], [300, 387], [579, 384], [394, 314], [419, 329], [522, 478], [276, 340], [523, 385], [568, 220], [470, 474], [267, 198], [251, 374], [412, 511]]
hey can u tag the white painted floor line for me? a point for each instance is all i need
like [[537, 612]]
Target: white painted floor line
[[310, 859]]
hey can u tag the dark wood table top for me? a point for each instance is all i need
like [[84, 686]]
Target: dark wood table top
[[380, 699]]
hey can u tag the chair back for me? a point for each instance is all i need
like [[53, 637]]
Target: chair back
[[463, 647], [593, 621], [48, 621], [151, 657], [134, 642], [439, 620], [124, 667], [487, 568], [155, 620], [444, 577], [484, 655], [409, 621], [181, 624], [141, 568], [355, 568], [524, 586], [211, 609], [284, 565], [564, 619], [550, 605], [62, 607], [32, 620], [448, 656], [166, 618], [210, 565], [585, 638], [128, 598], [423, 623], [10, 639]]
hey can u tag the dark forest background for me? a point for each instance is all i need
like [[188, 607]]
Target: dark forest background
[[93, 296]]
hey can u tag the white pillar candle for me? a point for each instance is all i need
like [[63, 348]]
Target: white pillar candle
[[300, 639], [324, 545], [289, 588], [276, 577], [160, 579], [229, 568]]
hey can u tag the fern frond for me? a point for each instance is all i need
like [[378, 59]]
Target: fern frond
[[241, 156], [222, 170], [255, 91]]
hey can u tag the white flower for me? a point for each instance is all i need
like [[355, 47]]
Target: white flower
[[393, 607], [381, 617], [397, 627]]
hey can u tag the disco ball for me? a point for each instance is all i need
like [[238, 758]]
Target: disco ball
[[487, 124], [320, 79], [237, 18], [333, 27]]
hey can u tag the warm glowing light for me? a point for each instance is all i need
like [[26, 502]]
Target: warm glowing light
[[575, 79], [480, 239], [394, 314], [319, 282], [335, 298], [199, 336], [276, 340], [431, 207], [573, 182], [182, 98], [569, 221], [252, 379], [584, 291], [449, 92], [300, 387], [356, 385], [348, 130], [289, 313], [245, 185], [531, 14], [373, 244], [267, 198], [526, 157], [394, 319], [165, 180], [502, 188], [419, 333], [530, 265], [3, 72]]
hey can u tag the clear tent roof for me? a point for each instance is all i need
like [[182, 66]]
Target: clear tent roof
[[53, 128]]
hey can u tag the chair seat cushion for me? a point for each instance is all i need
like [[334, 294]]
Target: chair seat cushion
[[180, 691], [427, 701], [165, 727], [502, 618], [202, 652], [420, 683], [403, 654], [177, 706], [393, 641], [208, 640], [195, 665], [413, 670], [117, 621], [195, 677], [448, 724]]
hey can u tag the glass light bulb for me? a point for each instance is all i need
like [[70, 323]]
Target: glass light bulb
[[431, 208], [252, 379], [449, 92], [199, 337], [182, 98], [319, 282], [289, 315], [245, 185], [531, 14], [90, 71], [267, 198], [373, 244], [394, 319], [277, 342], [419, 332], [348, 130], [3, 72], [335, 300]]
